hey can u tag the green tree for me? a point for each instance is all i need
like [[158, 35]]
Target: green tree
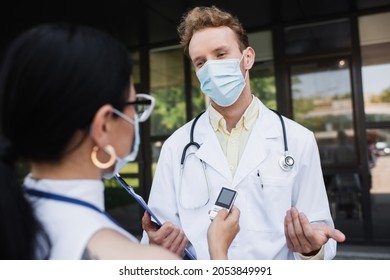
[[169, 111], [264, 88], [383, 97]]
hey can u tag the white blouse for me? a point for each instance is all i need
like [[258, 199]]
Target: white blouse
[[70, 225]]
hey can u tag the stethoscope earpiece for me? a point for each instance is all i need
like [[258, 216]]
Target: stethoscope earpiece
[[286, 163]]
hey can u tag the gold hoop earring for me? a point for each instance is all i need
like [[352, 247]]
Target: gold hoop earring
[[103, 165]]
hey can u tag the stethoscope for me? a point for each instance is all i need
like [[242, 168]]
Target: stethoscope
[[286, 162], [184, 155]]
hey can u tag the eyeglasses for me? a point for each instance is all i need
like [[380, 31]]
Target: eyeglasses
[[144, 105]]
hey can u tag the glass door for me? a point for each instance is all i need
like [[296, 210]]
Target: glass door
[[374, 35], [322, 101]]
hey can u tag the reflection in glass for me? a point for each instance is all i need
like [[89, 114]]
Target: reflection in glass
[[374, 34], [322, 102], [345, 196], [167, 86], [199, 101], [262, 74], [376, 88], [378, 141], [263, 83], [136, 75]]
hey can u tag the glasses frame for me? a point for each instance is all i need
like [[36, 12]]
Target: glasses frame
[[147, 99]]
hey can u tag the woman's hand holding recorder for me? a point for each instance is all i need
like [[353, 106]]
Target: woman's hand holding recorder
[[222, 230]]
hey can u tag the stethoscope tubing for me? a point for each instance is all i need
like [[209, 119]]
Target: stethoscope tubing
[[284, 130]]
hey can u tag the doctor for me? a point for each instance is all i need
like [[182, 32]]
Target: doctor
[[240, 144]]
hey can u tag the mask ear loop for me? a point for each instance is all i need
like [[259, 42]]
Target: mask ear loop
[[243, 55]]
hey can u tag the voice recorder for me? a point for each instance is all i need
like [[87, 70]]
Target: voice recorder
[[225, 200]]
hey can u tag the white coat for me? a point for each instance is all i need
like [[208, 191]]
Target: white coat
[[263, 200]]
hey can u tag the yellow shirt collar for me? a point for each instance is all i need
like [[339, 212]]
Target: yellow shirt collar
[[247, 119]]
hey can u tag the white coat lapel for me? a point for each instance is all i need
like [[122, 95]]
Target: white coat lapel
[[256, 149], [210, 150]]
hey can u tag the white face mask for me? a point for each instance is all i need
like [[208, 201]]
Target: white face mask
[[121, 162], [222, 80]]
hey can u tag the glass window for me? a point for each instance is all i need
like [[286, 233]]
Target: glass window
[[136, 67], [263, 83], [199, 101], [375, 45], [378, 141], [261, 42], [322, 102], [167, 86], [262, 74], [298, 9], [318, 37]]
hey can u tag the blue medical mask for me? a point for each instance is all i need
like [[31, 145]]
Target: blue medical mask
[[222, 80], [121, 162]]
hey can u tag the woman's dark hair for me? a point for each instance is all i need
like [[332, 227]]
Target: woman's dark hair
[[52, 81]]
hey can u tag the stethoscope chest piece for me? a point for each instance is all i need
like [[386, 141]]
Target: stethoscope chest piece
[[286, 162]]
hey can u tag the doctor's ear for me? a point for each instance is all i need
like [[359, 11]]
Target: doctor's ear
[[249, 58], [101, 125]]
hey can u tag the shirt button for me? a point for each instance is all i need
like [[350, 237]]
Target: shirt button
[[233, 141], [231, 167]]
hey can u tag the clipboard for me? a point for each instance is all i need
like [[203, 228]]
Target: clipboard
[[145, 206]]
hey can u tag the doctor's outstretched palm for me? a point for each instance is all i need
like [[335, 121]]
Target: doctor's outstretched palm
[[306, 238]]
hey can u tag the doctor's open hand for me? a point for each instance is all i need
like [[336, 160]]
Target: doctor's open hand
[[221, 232], [306, 238], [168, 236]]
